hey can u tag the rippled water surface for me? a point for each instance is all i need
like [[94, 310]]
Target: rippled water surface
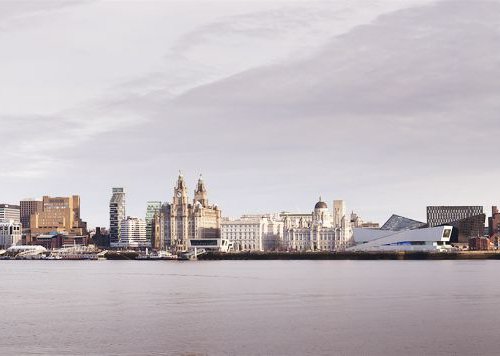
[[250, 308]]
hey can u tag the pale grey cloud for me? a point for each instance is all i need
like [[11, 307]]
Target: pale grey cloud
[[390, 113]]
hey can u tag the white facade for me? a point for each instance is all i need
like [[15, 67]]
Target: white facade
[[10, 212], [10, 233], [425, 239], [133, 233], [253, 232], [339, 212], [324, 231], [245, 233], [217, 245]]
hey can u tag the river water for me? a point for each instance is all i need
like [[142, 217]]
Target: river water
[[250, 308]]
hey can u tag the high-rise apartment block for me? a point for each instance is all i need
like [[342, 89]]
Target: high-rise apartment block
[[116, 214], [10, 212], [441, 215], [58, 214], [133, 233], [467, 221]]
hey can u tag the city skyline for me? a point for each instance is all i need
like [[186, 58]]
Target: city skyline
[[273, 102], [249, 177], [142, 214]]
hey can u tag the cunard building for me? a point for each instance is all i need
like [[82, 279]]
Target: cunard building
[[184, 224]]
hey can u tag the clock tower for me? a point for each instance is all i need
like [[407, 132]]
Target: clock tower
[[185, 220], [179, 216], [180, 192]]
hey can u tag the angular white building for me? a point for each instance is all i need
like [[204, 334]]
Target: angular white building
[[433, 239]]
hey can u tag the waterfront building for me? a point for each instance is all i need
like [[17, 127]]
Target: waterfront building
[[245, 233], [29, 207], [116, 215], [10, 233], [417, 239], [400, 233], [100, 238], [494, 221], [356, 222], [291, 220], [273, 233], [58, 214], [10, 212], [133, 233], [55, 240], [152, 208], [324, 232], [185, 222], [468, 221], [399, 223], [439, 215], [339, 211], [158, 231], [253, 232], [481, 243]]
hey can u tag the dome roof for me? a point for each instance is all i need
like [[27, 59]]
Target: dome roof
[[320, 205]]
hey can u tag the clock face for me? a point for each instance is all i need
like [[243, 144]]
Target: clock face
[[179, 194]]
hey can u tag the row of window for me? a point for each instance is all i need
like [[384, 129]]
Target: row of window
[[307, 237]]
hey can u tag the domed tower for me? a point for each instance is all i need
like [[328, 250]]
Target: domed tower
[[200, 194], [321, 214]]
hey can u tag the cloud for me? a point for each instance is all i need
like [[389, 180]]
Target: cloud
[[278, 105]]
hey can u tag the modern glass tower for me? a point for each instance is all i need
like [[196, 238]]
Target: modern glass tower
[[152, 208], [116, 214]]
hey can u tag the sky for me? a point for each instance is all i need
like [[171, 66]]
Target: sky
[[391, 105]]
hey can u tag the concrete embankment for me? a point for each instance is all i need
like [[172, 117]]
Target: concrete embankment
[[465, 255]]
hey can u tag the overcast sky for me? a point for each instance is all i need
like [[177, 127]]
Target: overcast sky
[[392, 105]]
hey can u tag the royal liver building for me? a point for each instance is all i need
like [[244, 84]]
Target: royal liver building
[[183, 221], [320, 231]]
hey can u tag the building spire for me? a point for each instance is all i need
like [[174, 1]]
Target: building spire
[[181, 185], [200, 195], [201, 185]]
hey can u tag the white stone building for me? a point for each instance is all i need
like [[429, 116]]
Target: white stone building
[[133, 233], [253, 232], [187, 225], [10, 233], [323, 231]]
